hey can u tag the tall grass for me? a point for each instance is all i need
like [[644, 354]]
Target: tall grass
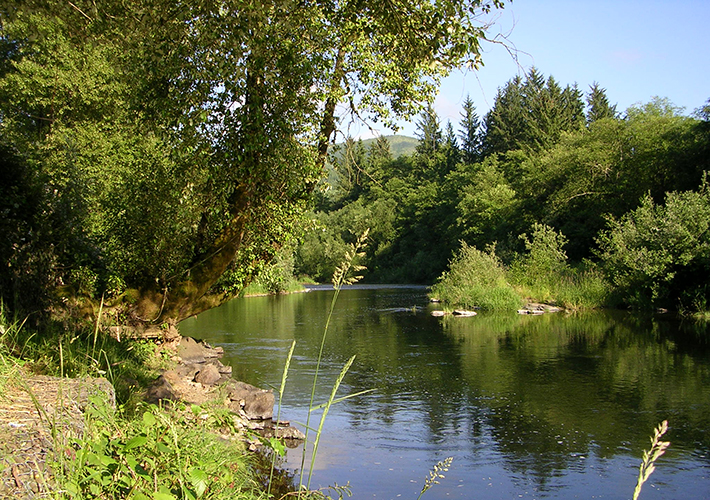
[[342, 276], [648, 465]]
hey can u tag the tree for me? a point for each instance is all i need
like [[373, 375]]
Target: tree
[[659, 255], [450, 150], [176, 143], [428, 132], [606, 169], [470, 133], [532, 114], [598, 106]]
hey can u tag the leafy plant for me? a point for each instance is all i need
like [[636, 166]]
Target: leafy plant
[[476, 279], [163, 455], [659, 255]]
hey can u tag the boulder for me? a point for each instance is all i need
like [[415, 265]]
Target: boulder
[[255, 403], [209, 375]]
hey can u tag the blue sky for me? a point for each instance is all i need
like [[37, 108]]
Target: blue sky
[[635, 49]]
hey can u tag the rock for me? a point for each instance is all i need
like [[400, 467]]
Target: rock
[[188, 371], [283, 430], [536, 309], [463, 313], [190, 351], [257, 404], [224, 370], [438, 313], [208, 375], [170, 385]]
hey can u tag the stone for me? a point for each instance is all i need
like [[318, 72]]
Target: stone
[[463, 313], [190, 351], [257, 404], [438, 313], [208, 375], [170, 385]]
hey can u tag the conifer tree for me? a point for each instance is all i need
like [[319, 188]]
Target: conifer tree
[[450, 148], [428, 132], [504, 123], [598, 104], [379, 155], [532, 114], [470, 133]]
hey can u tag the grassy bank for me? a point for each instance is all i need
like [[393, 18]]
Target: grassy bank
[[135, 450]]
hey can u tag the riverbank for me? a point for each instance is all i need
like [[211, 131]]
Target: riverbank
[[83, 417]]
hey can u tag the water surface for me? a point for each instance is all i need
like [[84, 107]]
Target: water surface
[[553, 406]]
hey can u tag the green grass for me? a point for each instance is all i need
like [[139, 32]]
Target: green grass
[[476, 279], [135, 451]]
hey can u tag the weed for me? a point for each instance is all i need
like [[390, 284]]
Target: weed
[[435, 474], [658, 448], [342, 276]]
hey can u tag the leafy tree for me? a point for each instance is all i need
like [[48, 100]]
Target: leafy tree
[[607, 169], [485, 202], [175, 144], [659, 255]]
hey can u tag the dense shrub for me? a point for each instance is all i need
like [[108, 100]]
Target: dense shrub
[[476, 279], [659, 255]]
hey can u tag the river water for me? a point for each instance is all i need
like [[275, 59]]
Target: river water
[[552, 406]]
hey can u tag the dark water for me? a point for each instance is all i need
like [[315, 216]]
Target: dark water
[[554, 406]]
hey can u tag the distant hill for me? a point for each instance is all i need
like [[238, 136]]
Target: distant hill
[[399, 144]]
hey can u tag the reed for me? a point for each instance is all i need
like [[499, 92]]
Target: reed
[[648, 465], [342, 276]]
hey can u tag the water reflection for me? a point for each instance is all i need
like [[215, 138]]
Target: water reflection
[[553, 406]]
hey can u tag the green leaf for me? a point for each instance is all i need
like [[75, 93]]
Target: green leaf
[[163, 448], [199, 480], [163, 496], [148, 419], [136, 441], [278, 446]]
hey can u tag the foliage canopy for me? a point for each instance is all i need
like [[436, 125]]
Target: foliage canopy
[[168, 149]]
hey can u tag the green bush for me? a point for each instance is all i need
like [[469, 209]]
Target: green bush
[[659, 255], [476, 279]]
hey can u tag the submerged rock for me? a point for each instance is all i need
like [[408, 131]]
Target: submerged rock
[[536, 309]]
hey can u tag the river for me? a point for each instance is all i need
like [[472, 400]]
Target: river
[[553, 406]]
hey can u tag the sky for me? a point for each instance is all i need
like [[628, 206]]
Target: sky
[[635, 49]]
